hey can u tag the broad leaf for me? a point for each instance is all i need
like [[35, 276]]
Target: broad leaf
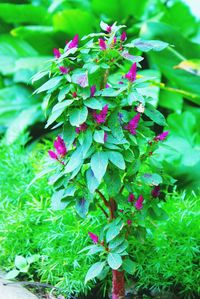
[[78, 116], [117, 159], [114, 260], [98, 163], [94, 271], [129, 266]]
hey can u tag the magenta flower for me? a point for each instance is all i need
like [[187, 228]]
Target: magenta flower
[[107, 85], [123, 36], [74, 42], [63, 70], [129, 222], [60, 147], [109, 29], [131, 197], [93, 237], [161, 136], [139, 202], [102, 44], [105, 136], [114, 40], [81, 128], [53, 155], [92, 90], [101, 117], [133, 123], [156, 191], [131, 75], [74, 94], [56, 53]]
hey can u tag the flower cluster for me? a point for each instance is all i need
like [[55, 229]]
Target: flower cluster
[[60, 148]]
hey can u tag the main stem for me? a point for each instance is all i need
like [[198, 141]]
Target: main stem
[[118, 287]]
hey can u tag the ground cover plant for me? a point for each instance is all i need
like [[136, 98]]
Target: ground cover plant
[[28, 224], [105, 157]]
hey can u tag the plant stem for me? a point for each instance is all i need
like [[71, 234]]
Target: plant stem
[[118, 288], [102, 209]]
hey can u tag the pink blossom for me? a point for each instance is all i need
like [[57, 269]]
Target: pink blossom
[[161, 136], [101, 117], [114, 40], [63, 70], [93, 237], [81, 128], [53, 155], [133, 123], [74, 94], [60, 147], [56, 53], [102, 44], [129, 222], [131, 75], [107, 85], [123, 36], [109, 29], [131, 197], [74, 42], [92, 90], [139, 202], [156, 191]]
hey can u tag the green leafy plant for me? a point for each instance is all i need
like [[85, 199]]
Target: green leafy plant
[[104, 157]]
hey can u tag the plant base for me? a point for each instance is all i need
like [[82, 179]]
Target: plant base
[[118, 288]]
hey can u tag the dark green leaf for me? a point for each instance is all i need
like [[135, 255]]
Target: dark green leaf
[[114, 260]]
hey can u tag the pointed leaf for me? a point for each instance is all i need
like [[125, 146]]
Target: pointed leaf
[[117, 159], [78, 116], [114, 260], [99, 162], [94, 271]]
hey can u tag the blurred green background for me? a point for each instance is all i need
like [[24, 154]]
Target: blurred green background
[[29, 30]]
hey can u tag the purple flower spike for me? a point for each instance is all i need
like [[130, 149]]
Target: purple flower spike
[[105, 136], [74, 42], [107, 85], [123, 36], [53, 155], [109, 29], [131, 75], [133, 123], [139, 202], [81, 128], [102, 44], [129, 222], [93, 237], [114, 40], [63, 70], [56, 53], [131, 197], [60, 147], [162, 136], [101, 117], [156, 191], [92, 90]]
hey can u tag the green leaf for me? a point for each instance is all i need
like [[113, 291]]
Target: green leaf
[[63, 92], [94, 271], [116, 242], [82, 207], [92, 182], [121, 248], [80, 78], [114, 260], [20, 262], [117, 159], [115, 126], [56, 200], [12, 274], [93, 103], [69, 134], [62, 105], [129, 266], [99, 162], [78, 116], [147, 45], [154, 115], [113, 232], [99, 136], [50, 84], [113, 182], [157, 213], [75, 160], [53, 117], [95, 249], [86, 142], [152, 179]]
